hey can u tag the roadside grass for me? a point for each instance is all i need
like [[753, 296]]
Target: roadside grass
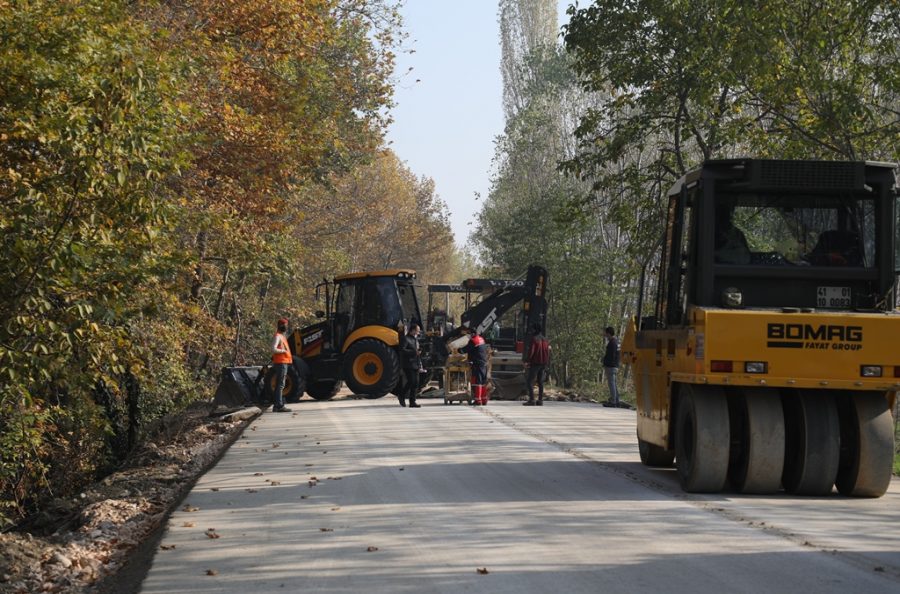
[[599, 391]]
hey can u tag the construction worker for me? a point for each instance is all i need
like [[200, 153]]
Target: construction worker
[[477, 352], [411, 363], [281, 359], [536, 364], [611, 365]]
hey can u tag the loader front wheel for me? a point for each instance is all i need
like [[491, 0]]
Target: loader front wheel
[[371, 368], [323, 389]]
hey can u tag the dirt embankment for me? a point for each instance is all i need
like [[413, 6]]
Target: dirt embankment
[[91, 543]]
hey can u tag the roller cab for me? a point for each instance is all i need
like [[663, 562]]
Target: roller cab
[[770, 360]]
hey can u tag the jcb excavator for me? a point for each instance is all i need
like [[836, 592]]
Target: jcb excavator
[[771, 359], [356, 339], [354, 343]]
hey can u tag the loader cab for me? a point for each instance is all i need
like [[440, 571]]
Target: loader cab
[[801, 235], [373, 300]]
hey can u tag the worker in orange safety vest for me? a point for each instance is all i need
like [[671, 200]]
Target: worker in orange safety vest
[[281, 358]]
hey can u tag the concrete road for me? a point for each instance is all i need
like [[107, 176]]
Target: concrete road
[[365, 496]]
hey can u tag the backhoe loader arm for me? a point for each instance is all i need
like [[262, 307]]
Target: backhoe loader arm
[[533, 295]]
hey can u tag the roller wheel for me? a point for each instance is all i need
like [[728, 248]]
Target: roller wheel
[[757, 447], [293, 385], [654, 455], [812, 442], [371, 368], [323, 389], [867, 444], [702, 438]]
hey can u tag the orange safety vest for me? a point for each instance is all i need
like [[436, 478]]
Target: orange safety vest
[[282, 357]]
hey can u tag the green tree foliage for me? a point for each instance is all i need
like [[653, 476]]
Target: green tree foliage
[[88, 133], [646, 91], [687, 81], [691, 81], [526, 217], [166, 175]]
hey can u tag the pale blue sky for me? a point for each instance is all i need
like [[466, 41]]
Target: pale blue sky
[[445, 124]]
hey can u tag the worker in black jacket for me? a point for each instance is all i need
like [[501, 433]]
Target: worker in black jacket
[[611, 365], [411, 363]]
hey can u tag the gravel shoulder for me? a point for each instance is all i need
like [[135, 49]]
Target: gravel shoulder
[[102, 540]]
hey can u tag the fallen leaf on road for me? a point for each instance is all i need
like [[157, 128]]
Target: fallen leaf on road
[[482, 570], [188, 524], [326, 529], [190, 508], [211, 533], [212, 572], [167, 547], [372, 549]]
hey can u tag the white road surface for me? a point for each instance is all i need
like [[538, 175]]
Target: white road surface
[[365, 496]]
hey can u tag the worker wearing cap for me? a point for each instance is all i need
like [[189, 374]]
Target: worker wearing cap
[[281, 358], [477, 352]]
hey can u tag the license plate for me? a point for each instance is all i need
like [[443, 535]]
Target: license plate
[[833, 297]]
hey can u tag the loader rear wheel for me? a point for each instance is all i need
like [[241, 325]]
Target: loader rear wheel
[[371, 368], [812, 442], [293, 388], [757, 432], [867, 445], [702, 438], [654, 455], [323, 389]]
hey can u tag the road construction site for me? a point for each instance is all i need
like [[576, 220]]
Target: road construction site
[[362, 495]]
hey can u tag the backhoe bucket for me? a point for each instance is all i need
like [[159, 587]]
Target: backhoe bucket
[[507, 375], [508, 388], [239, 386]]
